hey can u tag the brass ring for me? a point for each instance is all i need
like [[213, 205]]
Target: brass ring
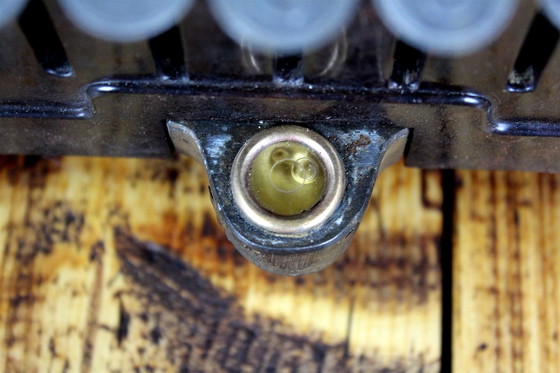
[[321, 147]]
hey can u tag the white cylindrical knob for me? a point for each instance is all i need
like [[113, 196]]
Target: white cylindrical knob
[[283, 26], [10, 9], [125, 20], [552, 10], [447, 27]]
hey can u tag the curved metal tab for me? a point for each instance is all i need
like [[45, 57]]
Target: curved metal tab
[[362, 149]]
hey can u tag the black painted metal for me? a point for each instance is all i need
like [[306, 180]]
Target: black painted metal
[[120, 95]]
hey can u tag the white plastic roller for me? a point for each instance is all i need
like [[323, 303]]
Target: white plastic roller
[[447, 27], [10, 9], [125, 20], [283, 26], [552, 10]]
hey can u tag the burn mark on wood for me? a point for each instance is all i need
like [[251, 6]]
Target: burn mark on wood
[[52, 347], [124, 321], [211, 330], [172, 174], [203, 189], [20, 299], [162, 170], [189, 322], [66, 367], [59, 223], [37, 167], [208, 226], [394, 267], [96, 251], [155, 335], [96, 257], [222, 252]]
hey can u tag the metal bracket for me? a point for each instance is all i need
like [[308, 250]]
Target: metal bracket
[[362, 148]]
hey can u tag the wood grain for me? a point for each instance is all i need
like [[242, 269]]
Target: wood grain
[[506, 273], [114, 265]]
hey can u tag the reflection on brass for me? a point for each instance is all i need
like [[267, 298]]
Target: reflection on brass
[[287, 178]]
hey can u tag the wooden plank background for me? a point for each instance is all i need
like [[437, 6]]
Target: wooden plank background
[[118, 265], [506, 272]]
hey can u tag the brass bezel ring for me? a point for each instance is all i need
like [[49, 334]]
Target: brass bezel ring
[[323, 149]]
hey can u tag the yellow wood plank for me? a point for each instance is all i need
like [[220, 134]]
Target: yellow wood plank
[[113, 265], [507, 273]]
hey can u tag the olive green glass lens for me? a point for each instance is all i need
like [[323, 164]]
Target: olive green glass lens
[[287, 178]]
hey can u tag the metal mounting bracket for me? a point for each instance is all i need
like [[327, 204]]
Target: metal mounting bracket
[[364, 149]]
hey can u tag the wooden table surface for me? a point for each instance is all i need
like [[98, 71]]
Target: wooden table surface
[[119, 265]]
